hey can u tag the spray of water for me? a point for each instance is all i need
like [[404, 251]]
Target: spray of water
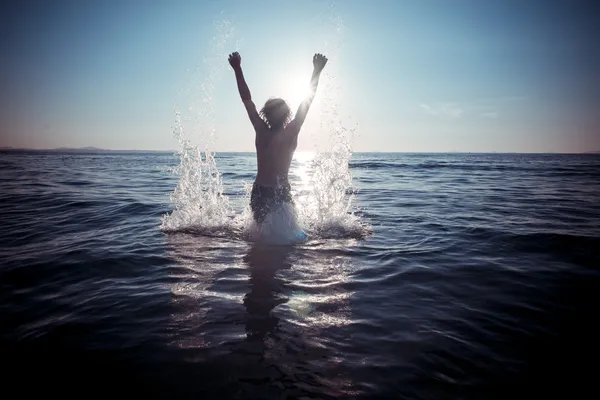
[[199, 203], [329, 211]]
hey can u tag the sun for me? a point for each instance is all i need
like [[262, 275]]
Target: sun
[[294, 91]]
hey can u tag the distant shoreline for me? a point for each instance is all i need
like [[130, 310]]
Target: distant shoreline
[[81, 150], [96, 150]]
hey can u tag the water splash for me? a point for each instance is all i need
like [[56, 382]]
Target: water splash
[[200, 205], [279, 227], [329, 212]]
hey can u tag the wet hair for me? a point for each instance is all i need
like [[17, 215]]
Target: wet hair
[[276, 113]]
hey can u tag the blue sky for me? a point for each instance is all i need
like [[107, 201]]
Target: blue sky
[[506, 76]]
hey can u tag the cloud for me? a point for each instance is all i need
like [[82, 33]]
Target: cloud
[[448, 110], [485, 107], [428, 108]]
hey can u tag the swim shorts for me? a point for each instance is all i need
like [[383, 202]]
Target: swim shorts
[[265, 199]]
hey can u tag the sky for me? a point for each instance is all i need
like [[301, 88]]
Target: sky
[[403, 75]]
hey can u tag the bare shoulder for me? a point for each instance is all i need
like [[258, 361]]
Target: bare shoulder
[[262, 129], [262, 134]]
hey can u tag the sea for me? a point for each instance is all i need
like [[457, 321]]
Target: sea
[[424, 276]]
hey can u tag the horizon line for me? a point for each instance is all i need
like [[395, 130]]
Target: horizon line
[[91, 149]]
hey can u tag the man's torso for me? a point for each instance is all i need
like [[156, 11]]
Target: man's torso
[[274, 150]]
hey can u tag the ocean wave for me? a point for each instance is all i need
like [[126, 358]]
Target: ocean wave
[[545, 170]]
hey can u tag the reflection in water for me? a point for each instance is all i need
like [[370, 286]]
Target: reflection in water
[[266, 289], [268, 321]]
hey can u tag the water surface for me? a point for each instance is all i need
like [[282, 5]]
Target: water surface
[[477, 280]]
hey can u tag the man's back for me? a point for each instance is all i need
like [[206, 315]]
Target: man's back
[[274, 151]]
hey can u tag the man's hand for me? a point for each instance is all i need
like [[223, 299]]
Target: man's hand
[[319, 61], [235, 60]]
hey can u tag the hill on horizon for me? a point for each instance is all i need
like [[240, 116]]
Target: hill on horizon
[[87, 149]]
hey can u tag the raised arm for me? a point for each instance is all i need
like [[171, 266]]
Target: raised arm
[[235, 60], [319, 61]]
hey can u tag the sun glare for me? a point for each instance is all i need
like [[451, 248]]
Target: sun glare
[[304, 156], [295, 91], [301, 172]]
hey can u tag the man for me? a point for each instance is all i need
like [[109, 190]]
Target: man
[[276, 140]]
